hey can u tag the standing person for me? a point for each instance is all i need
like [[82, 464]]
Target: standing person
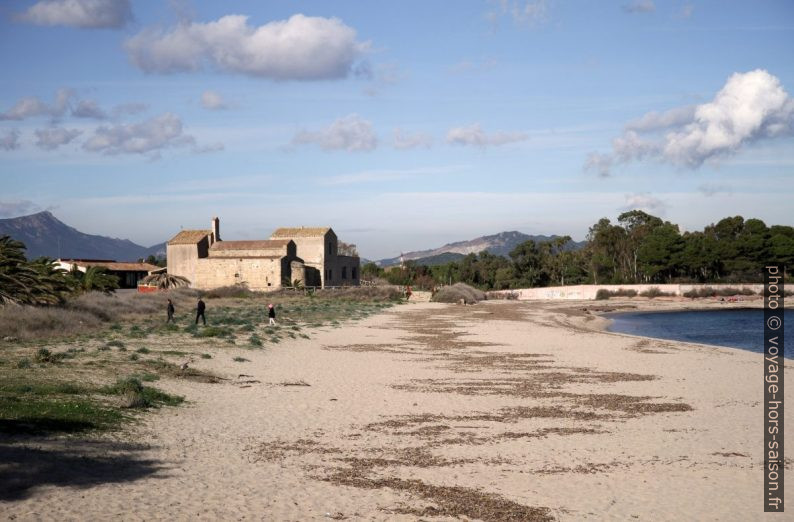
[[408, 293], [200, 307], [271, 314], [170, 313]]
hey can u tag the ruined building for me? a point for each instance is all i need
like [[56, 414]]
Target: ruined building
[[304, 254]]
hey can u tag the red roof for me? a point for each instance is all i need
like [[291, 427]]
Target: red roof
[[115, 266]]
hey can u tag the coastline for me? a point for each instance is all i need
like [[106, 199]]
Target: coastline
[[441, 412]]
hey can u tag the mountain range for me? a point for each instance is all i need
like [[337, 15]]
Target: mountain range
[[500, 244], [45, 235]]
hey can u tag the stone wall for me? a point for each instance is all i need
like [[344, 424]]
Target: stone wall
[[346, 270], [258, 273], [181, 261], [589, 291], [312, 250]]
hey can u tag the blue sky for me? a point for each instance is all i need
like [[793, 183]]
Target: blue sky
[[403, 125]]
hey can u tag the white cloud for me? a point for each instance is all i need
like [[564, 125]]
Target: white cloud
[[750, 107], [50, 139], [88, 109], [17, 207], [473, 135], [411, 141], [601, 163], [300, 48], [351, 133], [147, 137], [87, 14], [31, 106], [213, 101], [640, 6], [9, 140], [644, 201], [522, 12], [663, 120]]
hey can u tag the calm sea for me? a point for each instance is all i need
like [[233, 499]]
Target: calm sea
[[737, 328]]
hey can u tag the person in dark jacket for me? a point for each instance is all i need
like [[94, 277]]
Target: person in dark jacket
[[200, 307], [170, 312], [271, 314]]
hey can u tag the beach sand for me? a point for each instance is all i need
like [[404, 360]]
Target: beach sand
[[497, 411]]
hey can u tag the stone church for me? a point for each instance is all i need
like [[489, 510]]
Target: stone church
[[306, 254]]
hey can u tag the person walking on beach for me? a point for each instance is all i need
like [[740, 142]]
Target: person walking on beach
[[200, 307], [271, 314], [170, 313]]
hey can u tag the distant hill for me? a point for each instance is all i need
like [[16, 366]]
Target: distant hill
[[44, 235], [498, 244]]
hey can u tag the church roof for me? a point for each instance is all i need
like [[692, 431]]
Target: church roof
[[189, 237], [300, 232], [264, 244]]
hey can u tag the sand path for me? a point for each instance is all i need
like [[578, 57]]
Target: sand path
[[499, 411]]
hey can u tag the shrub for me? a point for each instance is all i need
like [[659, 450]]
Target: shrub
[[255, 340], [143, 349], [458, 291], [23, 364], [603, 293], [240, 359], [206, 356], [654, 292], [136, 395], [214, 331], [233, 291], [115, 344]]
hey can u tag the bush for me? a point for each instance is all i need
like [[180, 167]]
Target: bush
[[233, 291], [603, 293], [214, 331], [136, 395], [654, 292], [458, 291], [508, 296]]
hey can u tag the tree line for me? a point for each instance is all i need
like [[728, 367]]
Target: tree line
[[638, 248]]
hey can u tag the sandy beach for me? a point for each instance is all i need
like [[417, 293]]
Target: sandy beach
[[499, 411]]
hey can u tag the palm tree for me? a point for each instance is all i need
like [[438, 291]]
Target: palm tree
[[18, 279], [94, 278], [165, 281]]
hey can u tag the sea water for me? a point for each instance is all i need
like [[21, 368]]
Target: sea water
[[736, 327]]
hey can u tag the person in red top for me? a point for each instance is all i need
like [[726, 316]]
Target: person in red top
[[407, 292]]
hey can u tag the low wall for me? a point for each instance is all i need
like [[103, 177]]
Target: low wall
[[589, 291]]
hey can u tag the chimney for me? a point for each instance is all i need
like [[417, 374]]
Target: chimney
[[216, 229]]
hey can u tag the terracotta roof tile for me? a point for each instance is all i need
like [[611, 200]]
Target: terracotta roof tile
[[119, 266], [264, 244], [189, 237], [300, 232]]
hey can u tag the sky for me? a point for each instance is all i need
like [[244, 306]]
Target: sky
[[402, 125]]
